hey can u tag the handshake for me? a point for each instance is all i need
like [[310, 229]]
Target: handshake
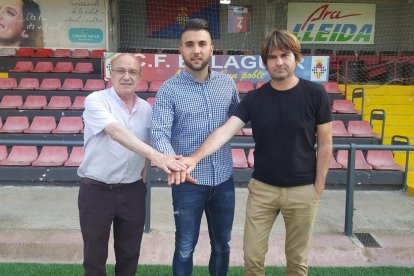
[[178, 168]]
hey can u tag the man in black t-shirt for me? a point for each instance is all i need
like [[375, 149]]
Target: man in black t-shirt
[[288, 116]]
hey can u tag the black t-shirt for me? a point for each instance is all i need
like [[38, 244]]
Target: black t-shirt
[[284, 130]]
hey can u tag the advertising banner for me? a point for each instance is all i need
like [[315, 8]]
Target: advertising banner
[[240, 68], [53, 24], [332, 23], [239, 19]]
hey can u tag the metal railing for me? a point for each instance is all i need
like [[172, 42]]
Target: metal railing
[[350, 182]]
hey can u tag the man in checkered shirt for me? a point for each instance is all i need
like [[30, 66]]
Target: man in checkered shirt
[[187, 108]]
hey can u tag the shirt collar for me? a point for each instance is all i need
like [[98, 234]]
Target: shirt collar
[[211, 74]]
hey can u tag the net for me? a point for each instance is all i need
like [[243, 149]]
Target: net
[[367, 43]]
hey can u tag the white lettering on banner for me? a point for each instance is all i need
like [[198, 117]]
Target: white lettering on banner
[[158, 59], [231, 62], [213, 63]]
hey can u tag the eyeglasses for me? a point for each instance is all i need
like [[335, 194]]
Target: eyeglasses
[[122, 72]]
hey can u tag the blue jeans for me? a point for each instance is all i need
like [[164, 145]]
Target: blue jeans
[[189, 201]]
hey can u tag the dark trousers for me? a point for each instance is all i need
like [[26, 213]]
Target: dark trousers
[[100, 205]]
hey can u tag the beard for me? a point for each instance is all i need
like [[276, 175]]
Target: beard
[[199, 67]]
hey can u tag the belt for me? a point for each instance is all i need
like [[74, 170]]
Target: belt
[[89, 181]]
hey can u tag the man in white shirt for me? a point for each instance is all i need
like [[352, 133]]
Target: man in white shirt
[[112, 188]]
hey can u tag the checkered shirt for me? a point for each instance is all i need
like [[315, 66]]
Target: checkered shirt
[[186, 111]]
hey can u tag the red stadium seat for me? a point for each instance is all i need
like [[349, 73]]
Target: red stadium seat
[[20, 156], [11, 101], [244, 86], [3, 152], [142, 86], [15, 124], [80, 53], [260, 84], [69, 125], [83, 68], [42, 124], [239, 158], [44, 52], [97, 53], [360, 162], [339, 130], [25, 52], [8, 83], [34, 102], [51, 156], [50, 84], [72, 84], [59, 102], [94, 85], [62, 53], [43, 67], [78, 103], [361, 129], [382, 160], [155, 85], [343, 106], [250, 158], [1, 122], [22, 66], [239, 133], [28, 84], [63, 67], [332, 87], [334, 164], [247, 131], [75, 158]]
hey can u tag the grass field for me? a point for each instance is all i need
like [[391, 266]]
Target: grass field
[[20, 269]]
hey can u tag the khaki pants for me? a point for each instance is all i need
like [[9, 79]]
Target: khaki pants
[[298, 205]]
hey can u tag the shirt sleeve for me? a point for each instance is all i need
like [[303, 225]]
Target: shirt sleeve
[[324, 113], [235, 99], [96, 115], [162, 120], [242, 111]]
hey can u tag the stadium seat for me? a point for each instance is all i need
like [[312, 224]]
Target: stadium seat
[[63, 67], [142, 86], [155, 85], [59, 102], [43, 67], [15, 124], [42, 124], [151, 100], [72, 84], [3, 152], [75, 158], [62, 53], [22, 66], [28, 84], [361, 129], [34, 102], [343, 106], [51, 156], [44, 52], [239, 133], [339, 130], [334, 164], [8, 83], [250, 158], [25, 52], [260, 84], [83, 68], [78, 103], [247, 131], [20, 156], [50, 84], [332, 87], [97, 53], [11, 101], [382, 160], [244, 86], [239, 158], [360, 162], [69, 125], [370, 58], [94, 85], [7, 52], [80, 53], [378, 115], [1, 122]]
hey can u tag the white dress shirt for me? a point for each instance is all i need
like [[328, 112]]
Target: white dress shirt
[[105, 159]]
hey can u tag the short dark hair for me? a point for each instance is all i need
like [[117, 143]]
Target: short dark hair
[[196, 24], [35, 33], [282, 40]]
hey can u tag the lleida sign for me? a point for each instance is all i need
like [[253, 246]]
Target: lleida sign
[[332, 23]]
